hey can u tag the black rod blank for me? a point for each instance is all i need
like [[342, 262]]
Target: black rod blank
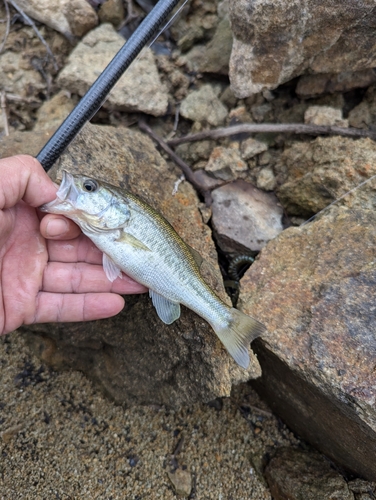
[[97, 93]]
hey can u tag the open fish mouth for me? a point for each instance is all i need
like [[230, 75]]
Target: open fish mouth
[[67, 194]]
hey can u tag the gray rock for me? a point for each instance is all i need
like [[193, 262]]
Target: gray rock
[[72, 18], [296, 474], [252, 147], [216, 56], [139, 89], [316, 173], [277, 41], [266, 179], [244, 218], [203, 105], [364, 115], [315, 85], [18, 77], [325, 115], [313, 288], [134, 357], [225, 163]]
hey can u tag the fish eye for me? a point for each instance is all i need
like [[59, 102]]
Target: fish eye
[[90, 185]]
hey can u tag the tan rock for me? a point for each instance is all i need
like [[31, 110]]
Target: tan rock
[[277, 41], [318, 172], [139, 89], [313, 287], [181, 481], [134, 357], [324, 115], [72, 18]]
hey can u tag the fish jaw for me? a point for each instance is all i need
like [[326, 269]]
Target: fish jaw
[[66, 196]]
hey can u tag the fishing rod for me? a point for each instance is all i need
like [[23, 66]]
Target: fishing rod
[[97, 93]]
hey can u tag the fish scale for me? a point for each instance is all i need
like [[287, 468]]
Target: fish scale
[[138, 241]]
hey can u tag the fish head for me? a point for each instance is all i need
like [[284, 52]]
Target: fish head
[[89, 202]]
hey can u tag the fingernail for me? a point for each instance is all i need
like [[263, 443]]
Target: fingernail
[[57, 227]]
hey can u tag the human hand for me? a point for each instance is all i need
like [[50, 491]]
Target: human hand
[[49, 271]]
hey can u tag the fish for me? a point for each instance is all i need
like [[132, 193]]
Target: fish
[[137, 240]]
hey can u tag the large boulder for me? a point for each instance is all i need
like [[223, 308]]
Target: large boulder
[[314, 289], [134, 357], [277, 40]]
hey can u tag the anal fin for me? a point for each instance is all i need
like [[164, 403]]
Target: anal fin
[[167, 311]]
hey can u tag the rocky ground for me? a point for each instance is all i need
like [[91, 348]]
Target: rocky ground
[[312, 286]]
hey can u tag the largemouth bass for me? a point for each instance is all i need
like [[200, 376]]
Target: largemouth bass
[[137, 240]]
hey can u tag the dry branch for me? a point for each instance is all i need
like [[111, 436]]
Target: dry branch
[[257, 128], [188, 172], [7, 26]]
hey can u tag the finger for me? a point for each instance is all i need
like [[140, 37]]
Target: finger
[[58, 227], [80, 249], [82, 278], [65, 307], [22, 177]]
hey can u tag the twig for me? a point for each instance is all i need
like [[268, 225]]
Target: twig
[[189, 175], [3, 104], [177, 184], [131, 14], [7, 26], [256, 128], [31, 23]]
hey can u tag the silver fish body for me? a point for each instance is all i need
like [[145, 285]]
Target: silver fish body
[[137, 240]]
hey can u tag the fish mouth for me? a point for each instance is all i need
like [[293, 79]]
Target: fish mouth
[[66, 195]]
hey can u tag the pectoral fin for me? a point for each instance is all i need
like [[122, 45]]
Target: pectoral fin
[[111, 269], [129, 239], [167, 311]]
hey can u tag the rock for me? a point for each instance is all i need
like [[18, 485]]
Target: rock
[[260, 112], [296, 474], [193, 152], [225, 163], [30, 142], [324, 115], [181, 481], [277, 41], [72, 18], [363, 490], [244, 218], [9, 434], [315, 85], [217, 53], [139, 89], [18, 77], [207, 181], [111, 11], [134, 357], [252, 147], [313, 288], [266, 180], [317, 173], [54, 111], [204, 106], [364, 115]]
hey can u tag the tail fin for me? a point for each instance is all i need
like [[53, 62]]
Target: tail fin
[[238, 335]]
